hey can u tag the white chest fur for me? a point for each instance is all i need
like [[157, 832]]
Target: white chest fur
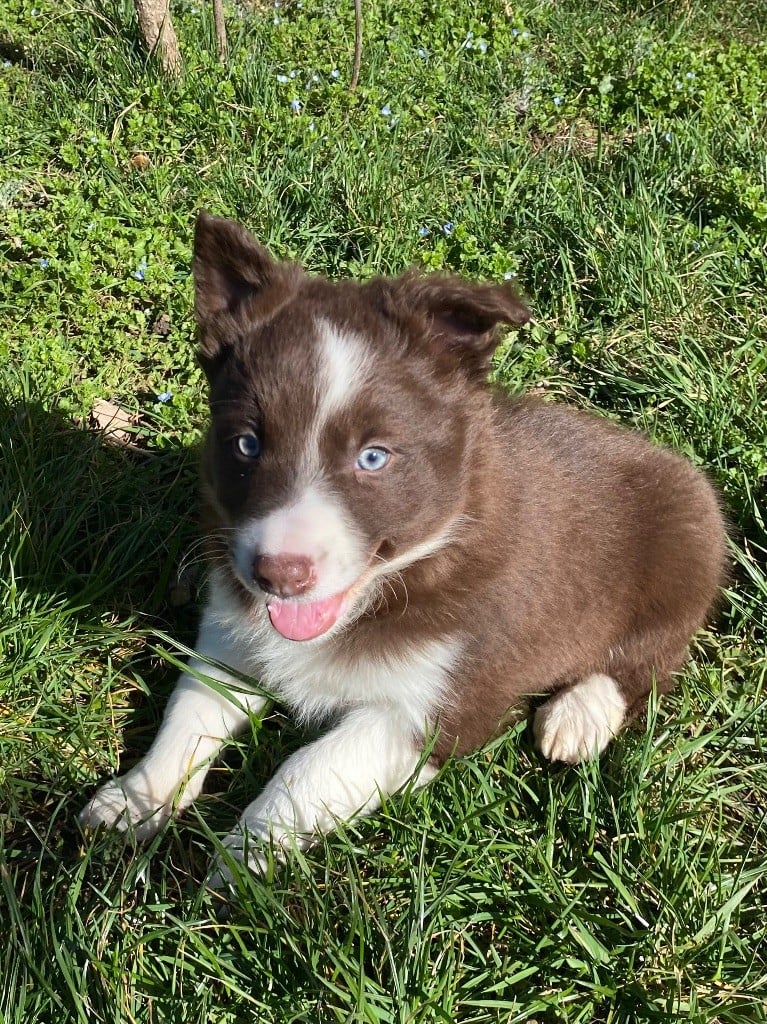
[[315, 678]]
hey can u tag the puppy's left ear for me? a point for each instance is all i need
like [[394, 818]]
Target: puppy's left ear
[[461, 318]]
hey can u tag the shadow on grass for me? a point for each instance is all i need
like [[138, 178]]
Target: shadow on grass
[[93, 534], [92, 538], [99, 521]]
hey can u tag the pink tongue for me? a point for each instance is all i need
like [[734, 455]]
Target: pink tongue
[[305, 621]]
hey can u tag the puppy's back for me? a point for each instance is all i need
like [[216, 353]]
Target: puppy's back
[[610, 555]]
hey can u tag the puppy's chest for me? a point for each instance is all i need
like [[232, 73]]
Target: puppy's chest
[[320, 679]]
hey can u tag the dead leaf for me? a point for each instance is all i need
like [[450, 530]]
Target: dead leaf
[[114, 422], [140, 161], [161, 326]]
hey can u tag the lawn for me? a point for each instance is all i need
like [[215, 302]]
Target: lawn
[[613, 157]]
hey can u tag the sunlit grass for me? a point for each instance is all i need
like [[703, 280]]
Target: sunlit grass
[[633, 214]]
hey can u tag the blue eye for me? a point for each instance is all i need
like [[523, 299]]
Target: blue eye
[[248, 445], [372, 459]]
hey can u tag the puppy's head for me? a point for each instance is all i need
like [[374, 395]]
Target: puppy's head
[[340, 444]]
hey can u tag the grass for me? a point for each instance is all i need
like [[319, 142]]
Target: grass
[[613, 157]]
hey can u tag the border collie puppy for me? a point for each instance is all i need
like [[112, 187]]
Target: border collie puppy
[[402, 552]]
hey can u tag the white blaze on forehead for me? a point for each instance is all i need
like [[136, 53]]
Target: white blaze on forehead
[[345, 365], [314, 525]]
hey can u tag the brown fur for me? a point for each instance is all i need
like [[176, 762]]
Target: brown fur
[[585, 548]]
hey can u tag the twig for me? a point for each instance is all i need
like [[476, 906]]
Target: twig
[[220, 24], [357, 45], [157, 31]]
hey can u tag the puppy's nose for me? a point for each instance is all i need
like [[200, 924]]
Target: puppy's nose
[[284, 575]]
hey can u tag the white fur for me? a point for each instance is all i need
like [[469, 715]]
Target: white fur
[[196, 723], [345, 365], [317, 526], [446, 536], [371, 753], [315, 679], [579, 722]]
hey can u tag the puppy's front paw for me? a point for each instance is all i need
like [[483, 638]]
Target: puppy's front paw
[[118, 805], [579, 722], [239, 847]]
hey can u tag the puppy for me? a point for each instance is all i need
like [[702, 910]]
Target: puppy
[[402, 552]]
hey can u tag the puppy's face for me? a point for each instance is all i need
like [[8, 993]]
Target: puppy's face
[[340, 443]]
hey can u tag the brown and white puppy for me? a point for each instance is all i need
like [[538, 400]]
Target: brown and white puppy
[[402, 551]]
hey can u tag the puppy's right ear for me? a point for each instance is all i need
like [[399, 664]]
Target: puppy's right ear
[[236, 283]]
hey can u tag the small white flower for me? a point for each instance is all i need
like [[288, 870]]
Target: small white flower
[[295, 105], [386, 110], [335, 73], [282, 79]]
